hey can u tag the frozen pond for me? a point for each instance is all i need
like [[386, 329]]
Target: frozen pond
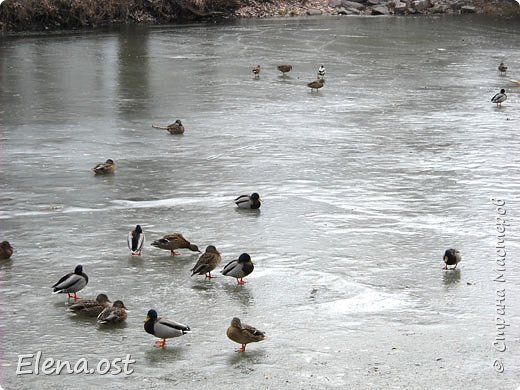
[[364, 185]]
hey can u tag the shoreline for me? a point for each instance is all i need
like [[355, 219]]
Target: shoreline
[[23, 16]]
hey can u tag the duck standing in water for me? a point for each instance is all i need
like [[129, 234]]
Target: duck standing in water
[[114, 314], [175, 128], [499, 98], [105, 168], [163, 328], [451, 257], [256, 72], [285, 68], [207, 262], [6, 250], [90, 307], [316, 84], [174, 241], [243, 334], [71, 283], [502, 68], [239, 268], [135, 240], [252, 201]]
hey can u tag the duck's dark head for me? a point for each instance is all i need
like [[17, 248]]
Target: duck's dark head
[[502, 91], [236, 322], [6, 245], [211, 249], [138, 229], [194, 248], [255, 196], [78, 270], [152, 315], [119, 304], [109, 161], [244, 258], [102, 298], [178, 121]]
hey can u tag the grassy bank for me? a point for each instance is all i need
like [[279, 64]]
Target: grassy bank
[[37, 15]]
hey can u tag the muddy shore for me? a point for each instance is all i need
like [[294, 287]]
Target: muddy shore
[[45, 15]]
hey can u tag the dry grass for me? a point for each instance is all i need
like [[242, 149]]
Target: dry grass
[[23, 15]]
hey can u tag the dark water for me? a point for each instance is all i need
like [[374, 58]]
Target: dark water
[[364, 185]]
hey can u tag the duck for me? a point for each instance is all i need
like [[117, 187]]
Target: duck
[[175, 128], [256, 72], [316, 84], [207, 262], [71, 283], [135, 240], [114, 314], [239, 268], [321, 72], [499, 98], [105, 168], [6, 250], [451, 257], [163, 328], [252, 201], [91, 307], [243, 334], [502, 68], [284, 69], [174, 241]]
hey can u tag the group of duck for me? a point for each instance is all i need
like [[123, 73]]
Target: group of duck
[[107, 312], [286, 68], [501, 96]]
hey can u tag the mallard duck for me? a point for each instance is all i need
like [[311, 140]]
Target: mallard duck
[[207, 262], [256, 71], [107, 167], [321, 72], [91, 307], [113, 314], [135, 240], [502, 68], [284, 69], [451, 257], [174, 241], [243, 334], [71, 283], [499, 98], [175, 128], [316, 84], [163, 328], [239, 268], [6, 250], [252, 201]]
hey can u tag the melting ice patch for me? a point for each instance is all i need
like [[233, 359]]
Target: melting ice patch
[[368, 301]]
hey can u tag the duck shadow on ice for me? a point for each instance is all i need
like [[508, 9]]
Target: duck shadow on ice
[[248, 212], [451, 277]]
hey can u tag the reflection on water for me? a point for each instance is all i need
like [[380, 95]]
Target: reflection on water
[[363, 186], [451, 277]]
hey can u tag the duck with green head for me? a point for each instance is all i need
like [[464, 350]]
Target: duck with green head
[[163, 328], [239, 268], [71, 283]]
